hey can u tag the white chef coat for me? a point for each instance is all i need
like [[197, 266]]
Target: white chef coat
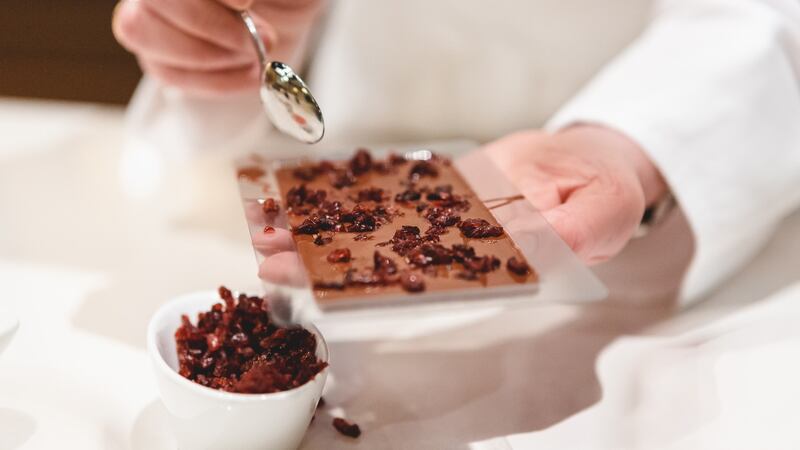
[[709, 88]]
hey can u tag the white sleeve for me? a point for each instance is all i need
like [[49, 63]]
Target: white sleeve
[[711, 91], [177, 125]]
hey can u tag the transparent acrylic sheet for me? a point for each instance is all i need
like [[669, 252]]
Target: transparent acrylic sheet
[[562, 276]]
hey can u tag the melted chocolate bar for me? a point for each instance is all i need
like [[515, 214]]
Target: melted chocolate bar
[[407, 227]]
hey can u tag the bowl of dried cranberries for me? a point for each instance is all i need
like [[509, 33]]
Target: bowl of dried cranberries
[[232, 377]]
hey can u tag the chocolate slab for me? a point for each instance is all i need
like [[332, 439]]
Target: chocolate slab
[[343, 181]]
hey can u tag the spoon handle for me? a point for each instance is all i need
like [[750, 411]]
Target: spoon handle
[[261, 50]]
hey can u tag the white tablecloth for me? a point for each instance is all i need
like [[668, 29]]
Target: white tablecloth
[[93, 238]]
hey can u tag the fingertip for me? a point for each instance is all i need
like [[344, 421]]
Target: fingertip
[[124, 22], [284, 269], [570, 230]]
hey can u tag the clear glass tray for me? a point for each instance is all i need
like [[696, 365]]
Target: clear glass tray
[[561, 275]]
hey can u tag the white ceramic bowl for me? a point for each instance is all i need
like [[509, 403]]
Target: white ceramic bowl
[[205, 418]]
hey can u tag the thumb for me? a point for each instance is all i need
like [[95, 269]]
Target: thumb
[[597, 221]]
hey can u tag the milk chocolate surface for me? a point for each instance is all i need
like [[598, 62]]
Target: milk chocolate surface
[[408, 227]]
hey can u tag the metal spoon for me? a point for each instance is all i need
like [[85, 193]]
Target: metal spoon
[[286, 99]]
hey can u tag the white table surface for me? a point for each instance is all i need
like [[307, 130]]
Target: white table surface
[[93, 240]]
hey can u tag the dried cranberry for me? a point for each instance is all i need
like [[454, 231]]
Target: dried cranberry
[[339, 255], [407, 196], [340, 178], [482, 264], [427, 254], [325, 166], [422, 169], [305, 173], [439, 193], [300, 195], [270, 206], [361, 162], [322, 240], [412, 281], [309, 226], [269, 230], [469, 275], [479, 228], [367, 277], [518, 266], [346, 428], [372, 194], [463, 253], [383, 264], [442, 217], [236, 347], [359, 220], [333, 285]]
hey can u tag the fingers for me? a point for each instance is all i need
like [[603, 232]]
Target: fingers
[[208, 20], [145, 32], [274, 242], [596, 221], [213, 83], [283, 269]]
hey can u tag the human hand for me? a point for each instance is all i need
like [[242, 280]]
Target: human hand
[[202, 46], [591, 183]]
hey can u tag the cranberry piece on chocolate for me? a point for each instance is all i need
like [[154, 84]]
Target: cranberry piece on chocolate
[[339, 255], [359, 221], [269, 230], [442, 217], [340, 178], [361, 162], [325, 285], [422, 169], [463, 253], [383, 264], [372, 194], [518, 266], [439, 193], [427, 254], [468, 275], [412, 281], [366, 277], [322, 240], [482, 264], [407, 196], [346, 428], [479, 228], [305, 173], [309, 226], [270, 206]]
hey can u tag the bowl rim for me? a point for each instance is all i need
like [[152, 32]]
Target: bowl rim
[[212, 297]]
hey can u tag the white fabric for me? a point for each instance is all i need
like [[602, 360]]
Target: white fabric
[[711, 92]]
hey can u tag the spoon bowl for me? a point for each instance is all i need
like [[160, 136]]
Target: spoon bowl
[[285, 96]]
